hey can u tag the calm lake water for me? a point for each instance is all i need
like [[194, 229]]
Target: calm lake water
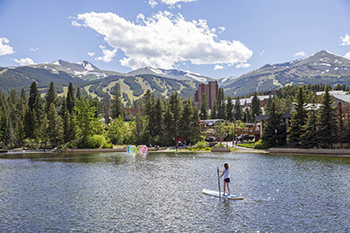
[[120, 192]]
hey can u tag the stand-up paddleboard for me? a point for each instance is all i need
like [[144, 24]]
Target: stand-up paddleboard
[[217, 194]]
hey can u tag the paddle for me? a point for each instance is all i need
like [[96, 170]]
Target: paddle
[[219, 182]]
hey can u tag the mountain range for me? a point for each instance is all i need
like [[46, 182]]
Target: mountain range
[[322, 67]]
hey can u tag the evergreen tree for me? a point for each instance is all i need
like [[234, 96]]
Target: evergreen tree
[[204, 107], [328, 125], [341, 127], [107, 108], [30, 125], [255, 106], [70, 101], [221, 105], [185, 121], [268, 103], [149, 111], [229, 109], [298, 119], [213, 111], [275, 129], [5, 126], [176, 110], [51, 97], [238, 109], [140, 124], [117, 106], [169, 126], [159, 117], [247, 115], [310, 138], [117, 131], [54, 128], [33, 95], [13, 111], [195, 134], [78, 96]]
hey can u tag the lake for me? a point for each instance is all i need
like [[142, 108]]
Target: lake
[[161, 192]]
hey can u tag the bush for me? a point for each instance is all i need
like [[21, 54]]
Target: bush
[[96, 141], [200, 145], [261, 145]]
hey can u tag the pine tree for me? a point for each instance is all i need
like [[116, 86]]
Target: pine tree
[[149, 111], [33, 95], [185, 120], [255, 106], [221, 105], [54, 126], [107, 108], [159, 117], [328, 125], [238, 109], [5, 126], [275, 130], [341, 127], [299, 118], [204, 107], [51, 97], [169, 126], [176, 110], [117, 106], [229, 109], [78, 96], [310, 137], [213, 111], [70, 101]]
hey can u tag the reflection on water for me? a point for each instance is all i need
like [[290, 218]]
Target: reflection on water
[[162, 192]]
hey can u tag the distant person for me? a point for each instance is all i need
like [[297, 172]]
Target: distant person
[[226, 174]]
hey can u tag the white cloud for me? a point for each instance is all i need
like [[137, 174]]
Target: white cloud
[[107, 54], [242, 65], [4, 48], [347, 55], [25, 61], [170, 3], [261, 53], [164, 40], [221, 29], [91, 54], [33, 49], [152, 3], [300, 54], [218, 67], [345, 40]]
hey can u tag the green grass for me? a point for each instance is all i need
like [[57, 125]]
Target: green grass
[[247, 144]]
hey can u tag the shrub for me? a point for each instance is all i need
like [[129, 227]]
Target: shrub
[[96, 141], [261, 145], [200, 145]]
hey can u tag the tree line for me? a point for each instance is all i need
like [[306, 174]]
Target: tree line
[[75, 120]]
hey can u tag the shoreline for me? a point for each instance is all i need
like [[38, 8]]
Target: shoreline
[[331, 153]]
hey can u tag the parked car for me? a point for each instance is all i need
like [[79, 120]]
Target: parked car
[[245, 137], [210, 139]]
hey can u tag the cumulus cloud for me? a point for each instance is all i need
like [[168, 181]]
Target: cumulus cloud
[[218, 67], [25, 61], [221, 29], [4, 48], [345, 40], [300, 54], [164, 40], [91, 54], [107, 54], [347, 55], [242, 65]]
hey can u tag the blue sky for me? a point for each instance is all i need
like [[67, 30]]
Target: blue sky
[[218, 39]]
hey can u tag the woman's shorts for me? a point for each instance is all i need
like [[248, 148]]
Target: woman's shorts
[[227, 180]]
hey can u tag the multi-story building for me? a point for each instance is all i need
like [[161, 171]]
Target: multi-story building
[[211, 90]]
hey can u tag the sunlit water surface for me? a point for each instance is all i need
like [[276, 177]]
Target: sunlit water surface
[[121, 192]]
